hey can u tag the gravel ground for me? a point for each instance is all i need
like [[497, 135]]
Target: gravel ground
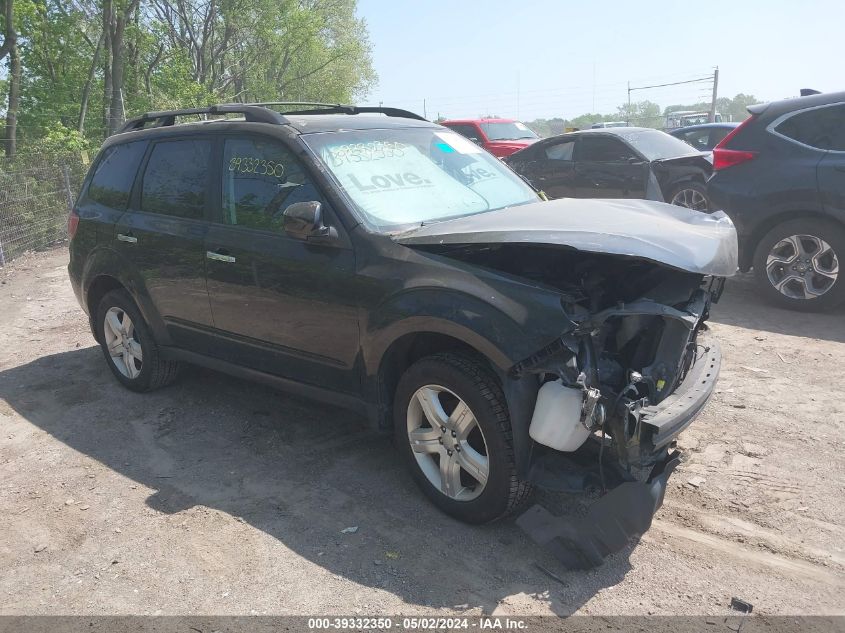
[[217, 496]]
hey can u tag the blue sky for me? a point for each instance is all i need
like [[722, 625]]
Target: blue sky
[[567, 58]]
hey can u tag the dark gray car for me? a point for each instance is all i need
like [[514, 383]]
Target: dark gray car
[[629, 162]]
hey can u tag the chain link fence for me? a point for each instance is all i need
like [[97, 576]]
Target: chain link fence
[[36, 194]]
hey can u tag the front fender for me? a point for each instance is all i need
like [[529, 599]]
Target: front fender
[[505, 329], [105, 261]]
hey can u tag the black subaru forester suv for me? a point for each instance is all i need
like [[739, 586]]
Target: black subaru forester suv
[[371, 259]]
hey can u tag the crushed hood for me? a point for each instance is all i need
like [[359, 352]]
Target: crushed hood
[[675, 236]]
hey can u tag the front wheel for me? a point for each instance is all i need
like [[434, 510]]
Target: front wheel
[[453, 429], [796, 264]]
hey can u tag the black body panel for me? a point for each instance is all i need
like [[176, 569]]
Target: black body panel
[[630, 174]]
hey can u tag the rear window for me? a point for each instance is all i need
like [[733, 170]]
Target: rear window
[[822, 128], [176, 178], [654, 144], [114, 174]]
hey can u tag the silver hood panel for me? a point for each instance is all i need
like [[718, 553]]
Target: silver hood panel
[[675, 236]]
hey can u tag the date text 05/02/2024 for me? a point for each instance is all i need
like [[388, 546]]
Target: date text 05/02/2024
[[486, 623]]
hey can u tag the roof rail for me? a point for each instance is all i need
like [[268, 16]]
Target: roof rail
[[252, 112], [339, 108], [260, 113]]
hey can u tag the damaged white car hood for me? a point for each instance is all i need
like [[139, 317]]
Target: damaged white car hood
[[675, 236]]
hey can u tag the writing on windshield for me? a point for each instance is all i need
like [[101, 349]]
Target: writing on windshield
[[411, 176]]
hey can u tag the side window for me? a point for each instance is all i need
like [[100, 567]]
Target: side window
[[717, 135], [603, 149], [261, 178], [469, 131], [699, 139], [822, 128], [114, 174], [176, 178], [560, 151]]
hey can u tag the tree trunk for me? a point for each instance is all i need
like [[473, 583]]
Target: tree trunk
[[107, 77], [86, 90], [14, 99], [118, 65], [9, 35], [119, 20]]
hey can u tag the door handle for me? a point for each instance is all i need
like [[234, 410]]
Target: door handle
[[219, 258], [131, 239], [839, 167]]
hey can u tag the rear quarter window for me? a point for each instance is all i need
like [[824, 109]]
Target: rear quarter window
[[822, 128], [113, 175]]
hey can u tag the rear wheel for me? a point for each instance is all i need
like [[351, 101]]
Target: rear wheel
[[796, 264], [128, 345], [691, 195], [453, 429]]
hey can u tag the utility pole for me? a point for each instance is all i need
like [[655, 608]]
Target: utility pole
[[425, 115], [712, 116], [628, 121]]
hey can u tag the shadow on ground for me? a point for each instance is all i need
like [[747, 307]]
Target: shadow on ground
[[743, 306], [299, 471]]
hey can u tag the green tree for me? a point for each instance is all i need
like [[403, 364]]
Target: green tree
[[82, 63], [641, 114]]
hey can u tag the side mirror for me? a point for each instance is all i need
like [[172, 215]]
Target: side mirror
[[475, 140], [304, 221]]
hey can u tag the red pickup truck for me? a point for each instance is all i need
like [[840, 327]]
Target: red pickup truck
[[500, 137]]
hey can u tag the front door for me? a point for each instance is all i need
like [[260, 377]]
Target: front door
[[280, 304], [163, 232], [605, 167]]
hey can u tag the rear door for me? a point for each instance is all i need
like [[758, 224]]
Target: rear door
[[830, 136], [163, 231], [605, 167], [550, 168], [281, 305]]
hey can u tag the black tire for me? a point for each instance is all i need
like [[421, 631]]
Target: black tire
[[473, 383], [833, 234], [155, 372], [689, 186]]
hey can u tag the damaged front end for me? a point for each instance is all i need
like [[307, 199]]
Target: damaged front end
[[634, 363], [633, 368], [638, 366], [643, 370]]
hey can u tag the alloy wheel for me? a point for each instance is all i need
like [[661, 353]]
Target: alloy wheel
[[122, 342], [447, 443], [691, 199], [802, 266]]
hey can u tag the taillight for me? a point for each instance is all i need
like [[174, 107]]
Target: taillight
[[724, 158], [72, 224]]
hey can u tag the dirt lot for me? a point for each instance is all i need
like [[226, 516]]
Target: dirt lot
[[218, 496]]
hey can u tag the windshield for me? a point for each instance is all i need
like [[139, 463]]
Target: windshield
[[654, 144], [403, 177], [507, 131]]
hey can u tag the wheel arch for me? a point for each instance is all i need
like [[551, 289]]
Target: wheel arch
[[107, 270], [96, 290], [405, 350], [750, 244]]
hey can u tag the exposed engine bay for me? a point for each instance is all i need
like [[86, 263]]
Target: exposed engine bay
[[635, 331]]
